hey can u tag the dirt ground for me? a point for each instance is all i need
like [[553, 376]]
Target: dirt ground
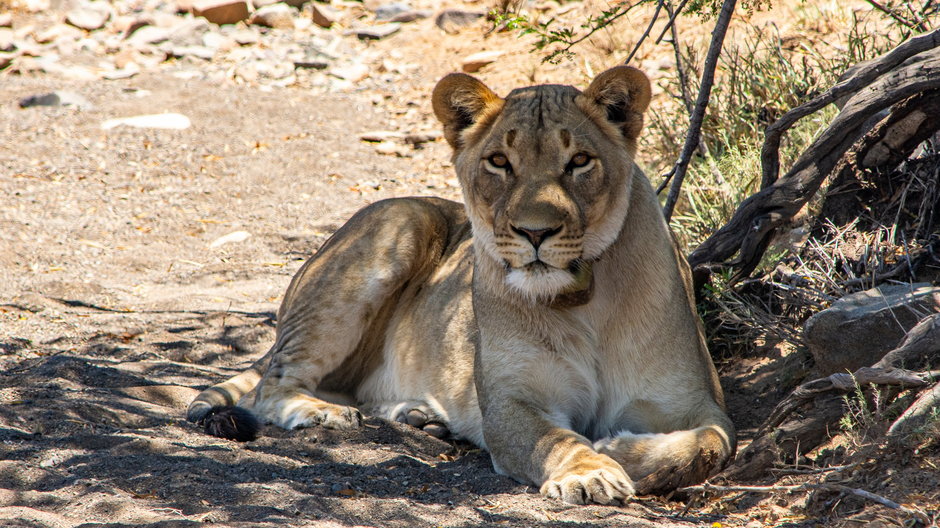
[[139, 266]]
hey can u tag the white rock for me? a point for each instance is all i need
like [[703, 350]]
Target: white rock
[[352, 72], [277, 15], [6, 20], [167, 121], [473, 63], [235, 236], [90, 16]]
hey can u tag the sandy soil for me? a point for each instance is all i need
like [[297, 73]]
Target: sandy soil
[[118, 301], [115, 311]]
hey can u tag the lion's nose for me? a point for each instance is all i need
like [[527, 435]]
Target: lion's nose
[[536, 236]]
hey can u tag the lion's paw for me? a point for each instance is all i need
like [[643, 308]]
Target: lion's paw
[[601, 486], [307, 412]]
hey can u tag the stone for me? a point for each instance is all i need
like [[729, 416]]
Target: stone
[[7, 42], [234, 236], [199, 52], [376, 32], [411, 16], [218, 42], [380, 136], [324, 16], [6, 20], [6, 59], [452, 20], [859, 329], [388, 11], [59, 32], [221, 11], [134, 25], [148, 35], [189, 32], [280, 16], [312, 62], [162, 121], [295, 3], [473, 63], [128, 71], [89, 16], [352, 72], [246, 37], [60, 98], [261, 3]]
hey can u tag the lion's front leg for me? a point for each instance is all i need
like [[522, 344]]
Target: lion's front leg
[[529, 446]]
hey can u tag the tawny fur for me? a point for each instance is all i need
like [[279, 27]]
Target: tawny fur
[[550, 320]]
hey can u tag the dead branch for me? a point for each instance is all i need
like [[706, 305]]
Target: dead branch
[[917, 415], [756, 219], [846, 382], [858, 77], [919, 349], [825, 486], [796, 437], [677, 174]]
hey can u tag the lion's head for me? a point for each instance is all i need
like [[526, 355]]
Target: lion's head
[[545, 172]]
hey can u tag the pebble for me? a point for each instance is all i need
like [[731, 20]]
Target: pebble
[[452, 20], [58, 32], [149, 35], [126, 72], [352, 72], [167, 121], [7, 43], [221, 11], [473, 63], [60, 98], [6, 20], [277, 15], [312, 62], [389, 11], [199, 52], [411, 16], [235, 236], [376, 32], [245, 37], [6, 59], [380, 136], [90, 16], [324, 16]]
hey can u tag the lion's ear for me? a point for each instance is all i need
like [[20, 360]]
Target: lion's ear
[[460, 101], [624, 93]]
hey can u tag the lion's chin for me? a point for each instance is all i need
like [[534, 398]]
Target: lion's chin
[[540, 282]]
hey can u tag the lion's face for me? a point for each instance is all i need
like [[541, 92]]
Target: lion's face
[[545, 173]]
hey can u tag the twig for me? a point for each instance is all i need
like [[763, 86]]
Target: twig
[[827, 486], [672, 20], [911, 24], [659, 7], [698, 114], [812, 471], [595, 29]]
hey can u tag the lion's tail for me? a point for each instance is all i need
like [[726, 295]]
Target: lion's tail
[[215, 407]]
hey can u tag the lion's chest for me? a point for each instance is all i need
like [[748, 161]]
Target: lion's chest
[[591, 377]]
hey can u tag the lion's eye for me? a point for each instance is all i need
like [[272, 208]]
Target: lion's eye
[[500, 161], [580, 160]]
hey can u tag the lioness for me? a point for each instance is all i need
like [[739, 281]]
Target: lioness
[[549, 320]]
